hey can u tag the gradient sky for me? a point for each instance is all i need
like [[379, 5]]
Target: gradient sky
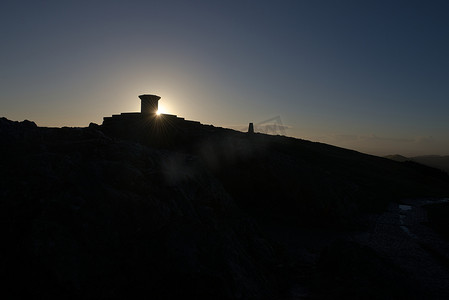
[[367, 75]]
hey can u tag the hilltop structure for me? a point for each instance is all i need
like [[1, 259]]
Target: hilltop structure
[[149, 127], [149, 104], [251, 128], [147, 114]]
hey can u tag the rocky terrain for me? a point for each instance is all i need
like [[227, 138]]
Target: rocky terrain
[[222, 215]]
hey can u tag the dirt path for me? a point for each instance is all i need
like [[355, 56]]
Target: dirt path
[[400, 235]]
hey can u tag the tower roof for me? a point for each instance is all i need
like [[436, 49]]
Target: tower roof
[[149, 97]]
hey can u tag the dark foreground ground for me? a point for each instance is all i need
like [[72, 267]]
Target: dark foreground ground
[[223, 215]]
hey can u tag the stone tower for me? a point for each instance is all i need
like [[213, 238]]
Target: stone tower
[[149, 104], [251, 128]]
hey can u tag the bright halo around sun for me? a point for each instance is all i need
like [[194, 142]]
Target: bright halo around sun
[[160, 111]]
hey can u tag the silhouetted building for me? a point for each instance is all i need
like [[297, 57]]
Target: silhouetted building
[[149, 104], [148, 127]]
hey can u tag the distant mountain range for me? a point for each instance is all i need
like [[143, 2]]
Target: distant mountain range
[[435, 161]]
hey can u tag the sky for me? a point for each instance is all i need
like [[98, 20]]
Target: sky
[[372, 76]]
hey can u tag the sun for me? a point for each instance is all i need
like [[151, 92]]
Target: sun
[[160, 110]]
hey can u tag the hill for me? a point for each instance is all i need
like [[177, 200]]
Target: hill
[[434, 161], [193, 211]]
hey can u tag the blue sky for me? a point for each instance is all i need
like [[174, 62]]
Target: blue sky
[[367, 75]]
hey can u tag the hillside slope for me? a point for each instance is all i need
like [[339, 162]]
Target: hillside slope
[[288, 178], [434, 161], [88, 215]]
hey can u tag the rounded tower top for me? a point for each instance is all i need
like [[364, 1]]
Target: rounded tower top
[[149, 103]]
